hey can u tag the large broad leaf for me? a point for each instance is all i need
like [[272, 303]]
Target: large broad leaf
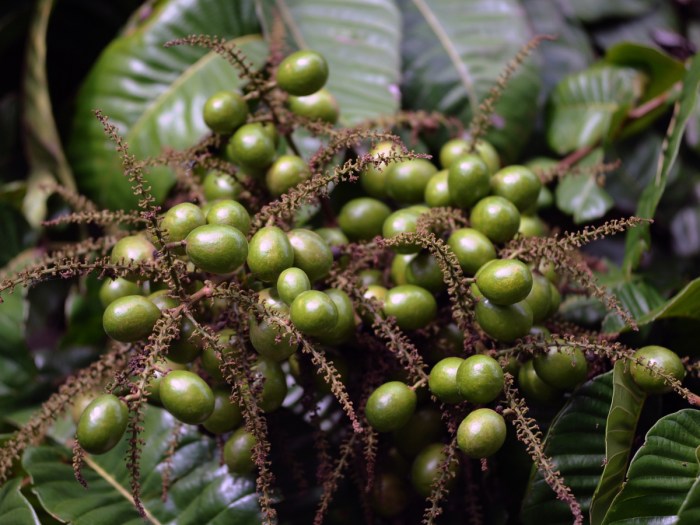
[[596, 10], [201, 492], [685, 303], [14, 507], [663, 18], [570, 52], [621, 425], [359, 39], [45, 153], [638, 298], [587, 106], [576, 444], [453, 53], [638, 239], [155, 95], [663, 476], [582, 197]]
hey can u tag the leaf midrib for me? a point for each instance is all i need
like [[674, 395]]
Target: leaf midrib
[[187, 74]]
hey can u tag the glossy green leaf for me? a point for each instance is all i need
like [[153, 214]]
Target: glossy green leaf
[[582, 197], [153, 94], [201, 492], [14, 507], [662, 478], [621, 425], [638, 239], [454, 51], [596, 10], [576, 444], [360, 41], [586, 107], [44, 150], [571, 51], [685, 303], [638, 298]]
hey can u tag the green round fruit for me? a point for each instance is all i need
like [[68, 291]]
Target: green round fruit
[[661, 359], [333, 236], [504, 281], [225, 111], [238, 452], [424, 427], [539, 298], [251, 147], [113, 289], [534, 388], [311, 253], [371, 276], [220, 185], [186, 396], [424, 271], [390, 406], [229, 213], [517, 184], [563, 368], [451, 150], [133, 248], [412, 306], [488, 154], [442, 380], [344, 328], [554, 299], [302, 73], [313, 313], [274, 384], [495, 217], [504, 323], [293, 281], [472, 249], [406, 180], [130, 318], [437, 191], [399, 264], [269, 253], [361, 219], [401, 221], [468, 180], [186, 348], [480, 379], [285, 173], [211, 362], [226, 415], [426, 468], [216, 248], [79, 404], [268, 339], [532, 226], [320, 105], [373, 178], [389, 496], [163, 300], [482, 433], [377, 292], [179, 221], [102, 424]]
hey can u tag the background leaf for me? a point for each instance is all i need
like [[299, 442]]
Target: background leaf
[[154, 95], [582, 197], [360, 41], [14, 507], [620, 428], [662, 474], [201, 491], [597, 10], [452, 58], [685, 303], [637, 297], [638, 239], [585, 106], [576, 444]]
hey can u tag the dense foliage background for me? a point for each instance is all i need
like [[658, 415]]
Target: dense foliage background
[[602, 91]]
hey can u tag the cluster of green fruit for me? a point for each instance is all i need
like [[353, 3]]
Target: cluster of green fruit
[[287, 269]]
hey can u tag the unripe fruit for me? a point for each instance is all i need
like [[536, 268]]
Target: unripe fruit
[[285, 173], [532, 386], [102, 424], [437, 191], [517, 184], [661, 359], [504, 323], [133, 248], [482, 433], [313, 313], [472, 249], [229, 213], [293, 281], [186, 396], [442, 380], [390, 406], [424, 271], [373, 178], [179, 221], [220, 185], [274, 384], [268, 339], [424, 427], [311, 253], [467, 180], [252, 147], [320, 105], [495, 217], [389, 495], [225, 111], [406, 180], [362, 218], [426, 468], [401, 221], [130, 318], [539, 298], [302, 73], [504, 281], [563, 368], [216, 248], [269, 253], [226, 415], [480, 379], [238, 452], [113, 289], [412, 306], [344, 328]]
